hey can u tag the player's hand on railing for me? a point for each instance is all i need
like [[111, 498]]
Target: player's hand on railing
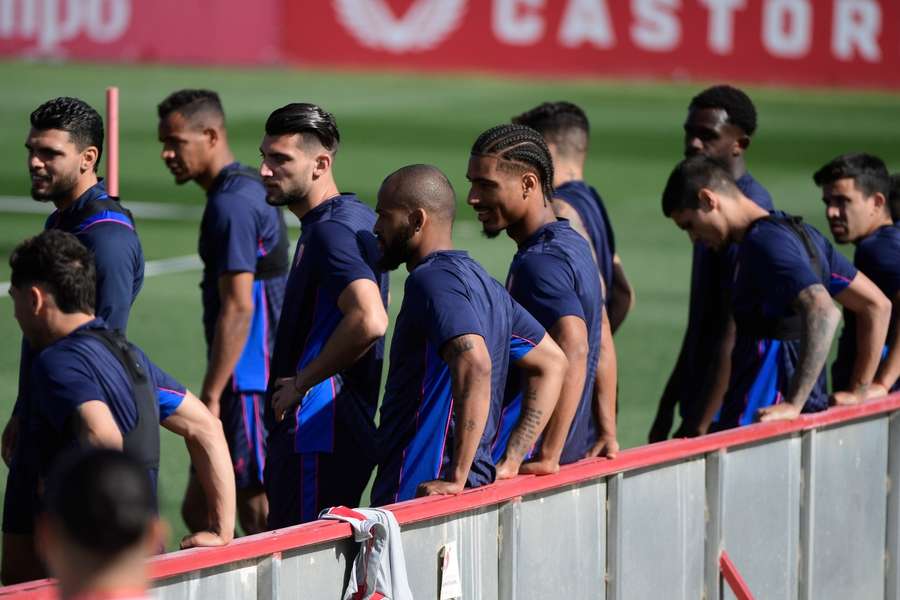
[[204, 539], [286, 396], [606, 446], [784, 411], [10, 437], [542, 466], [438, 487]]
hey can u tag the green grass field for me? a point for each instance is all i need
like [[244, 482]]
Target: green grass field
[[388, 120]]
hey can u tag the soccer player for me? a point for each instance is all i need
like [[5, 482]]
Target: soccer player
[[720, 123], [855, 190], [566, 130], [89, 386], [244, 248], [455, 335], [64, 147], [100, 526], [330, 342], [785, 276], [554, 277]]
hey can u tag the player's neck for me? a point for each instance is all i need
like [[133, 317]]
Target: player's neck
[[876, 224], [566, 171], [744, 213], [322, 192], [218, 162], [60, 324], [738, 167], [433, 241], [534, 219], [84, 183]]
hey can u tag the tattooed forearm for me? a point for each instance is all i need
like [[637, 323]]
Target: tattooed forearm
[[526, 432], [819, 322]]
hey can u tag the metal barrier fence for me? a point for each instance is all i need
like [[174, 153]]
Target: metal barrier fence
[[804, 509]]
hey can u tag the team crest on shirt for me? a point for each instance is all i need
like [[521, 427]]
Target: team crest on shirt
[[299, 255], [424, 25]]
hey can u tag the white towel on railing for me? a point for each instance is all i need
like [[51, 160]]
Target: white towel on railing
[[379, 570]]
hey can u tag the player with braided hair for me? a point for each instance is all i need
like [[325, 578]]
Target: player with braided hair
[[553, 275]]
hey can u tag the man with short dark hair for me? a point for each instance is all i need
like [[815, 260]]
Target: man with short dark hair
[[720, 123], [456, 334], [566, 130], [326, 368], [100, 526], [855, 190], [554, 277], [244, 248], [785, 276], [90, 387]]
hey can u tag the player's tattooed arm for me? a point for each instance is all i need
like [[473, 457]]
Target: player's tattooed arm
[[543, 370], [819, 320], [469, 362], [873, 314]]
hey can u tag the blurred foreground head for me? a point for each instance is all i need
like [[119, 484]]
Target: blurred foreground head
[[100, 523]]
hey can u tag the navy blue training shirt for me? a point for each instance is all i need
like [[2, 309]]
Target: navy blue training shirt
[[447, 295], [711, 276], [589, 206], [773, 267], [336, 247], [553, 275], [71, 371], [238, 230], [878, 256]]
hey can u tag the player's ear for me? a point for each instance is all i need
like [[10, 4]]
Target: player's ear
[[417, 219], [879, 200], [707, 200], [38, 299], [530, 184], [741, 144], [322, 164], [89, 158], [212, 135]]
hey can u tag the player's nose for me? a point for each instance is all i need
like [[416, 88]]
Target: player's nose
[[264, 170], [832, 211]]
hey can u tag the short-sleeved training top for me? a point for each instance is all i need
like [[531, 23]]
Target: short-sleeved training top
[[773, 267], [447, 295], [71, 371], [711, 274], [336, 247], [553, 275], [238, 233], [878, 256], [107, 230], [590, 208]]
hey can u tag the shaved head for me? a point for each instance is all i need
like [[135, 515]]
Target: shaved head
[[421, 186]]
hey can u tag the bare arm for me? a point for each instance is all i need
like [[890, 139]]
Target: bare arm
[[543, 369], [605, 390], [873, 316], [205, 441], [570, 333], [364, 321], [97, 426], [889, 370], [470, 373], [621, 296], [819, 320], [232, 327]]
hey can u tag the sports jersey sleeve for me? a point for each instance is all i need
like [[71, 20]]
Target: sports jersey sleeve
[[526, 332], [233, 234], [841, 270], [338, 257], [545, 286], [61, 386], [169, 392], [119, 262], [447, 309]]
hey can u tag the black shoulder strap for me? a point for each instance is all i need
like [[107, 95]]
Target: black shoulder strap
[[142, 442]]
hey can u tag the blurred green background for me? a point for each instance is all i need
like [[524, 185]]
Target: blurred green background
[[389, 120]]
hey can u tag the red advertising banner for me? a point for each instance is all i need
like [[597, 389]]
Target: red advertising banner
[[174, 31], [819, 42], [822, 42]]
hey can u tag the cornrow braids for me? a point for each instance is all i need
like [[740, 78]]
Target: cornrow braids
[[521, 146]]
